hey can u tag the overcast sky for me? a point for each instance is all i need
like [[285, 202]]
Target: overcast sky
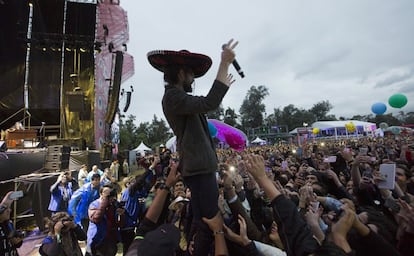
[[353, 53]]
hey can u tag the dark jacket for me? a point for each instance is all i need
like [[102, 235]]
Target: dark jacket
[[294, 232], [186, 116]]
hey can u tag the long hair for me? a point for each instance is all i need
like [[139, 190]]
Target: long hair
[[171, 74]]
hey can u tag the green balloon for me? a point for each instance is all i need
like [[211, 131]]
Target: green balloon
[[397, 100]]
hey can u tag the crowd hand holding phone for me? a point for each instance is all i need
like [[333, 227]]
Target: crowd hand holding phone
[[366, 181], [10, 197], [16, 195], [377, 177], [364, 159], [120, 210], [313, 214], [64, 225], [314, 220]]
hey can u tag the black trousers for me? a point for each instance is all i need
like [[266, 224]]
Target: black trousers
[[204, 203]]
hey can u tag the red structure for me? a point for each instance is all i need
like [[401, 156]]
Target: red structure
[[112, 34]]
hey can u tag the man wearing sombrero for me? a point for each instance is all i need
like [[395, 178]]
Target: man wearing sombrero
[[186, 116]]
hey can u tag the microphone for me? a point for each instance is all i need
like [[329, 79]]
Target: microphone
[[236, 65], [238, 68]]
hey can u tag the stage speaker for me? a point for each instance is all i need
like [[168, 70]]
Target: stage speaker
[[76, 101], [128, 101], [86, 113], [116, 88]]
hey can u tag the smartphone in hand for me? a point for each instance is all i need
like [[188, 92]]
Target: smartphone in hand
[[388, 174], [329, 159], [16, 195]]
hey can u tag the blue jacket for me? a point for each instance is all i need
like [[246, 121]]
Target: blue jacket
[[57, 201], [132, 206], [79, 203], [98, 223]]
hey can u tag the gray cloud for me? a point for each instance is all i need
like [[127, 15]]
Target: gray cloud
[[407, 88], [347, 52], [395, 78]]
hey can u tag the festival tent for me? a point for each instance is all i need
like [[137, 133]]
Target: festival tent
[[398, 130], [138, 151], [141, 149], [258, 141], [171, 144], [336, 128], [300, 130], [341, 124]]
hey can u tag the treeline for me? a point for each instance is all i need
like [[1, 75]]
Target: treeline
[[251, 115]]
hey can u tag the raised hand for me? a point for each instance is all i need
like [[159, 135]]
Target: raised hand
[[216, 223], [174, 175], [256, 166], [241, 238]]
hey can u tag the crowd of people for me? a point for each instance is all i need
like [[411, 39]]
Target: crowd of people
[[271, 201]]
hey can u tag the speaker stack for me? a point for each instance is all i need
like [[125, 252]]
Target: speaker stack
[[57, 158]]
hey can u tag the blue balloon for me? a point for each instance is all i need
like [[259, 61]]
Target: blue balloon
[[379, 108], [212, 129]]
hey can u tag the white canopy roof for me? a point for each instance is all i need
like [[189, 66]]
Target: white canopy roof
[[337, 124], [258, 140], [171, 144], [142, 148]]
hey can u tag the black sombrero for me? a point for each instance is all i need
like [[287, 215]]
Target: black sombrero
[[199, 63]]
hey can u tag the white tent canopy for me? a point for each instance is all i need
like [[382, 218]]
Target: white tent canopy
[[171, 144], [140, 150], [339, 124], [258, 141]]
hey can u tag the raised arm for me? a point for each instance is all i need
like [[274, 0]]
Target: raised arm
[[157, 205], [227, 57]]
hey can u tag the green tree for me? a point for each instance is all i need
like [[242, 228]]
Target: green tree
[[127, 133], [159, 132], [409, 118], [321, 109], [217, 113], [365, 118], [292, 116], [388, 118], [142, 133], [230, 117], [252, 108]]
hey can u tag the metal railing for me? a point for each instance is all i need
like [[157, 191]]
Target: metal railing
[[26, 117]]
